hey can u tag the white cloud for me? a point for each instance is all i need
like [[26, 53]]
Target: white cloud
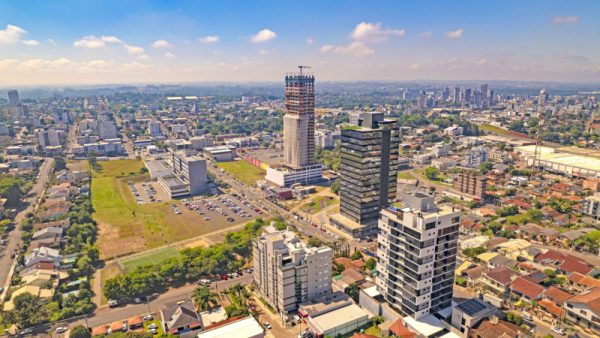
[[310, 40], [111, 39], [455, 34], [263, 36], [414, 66], [355, 48], [561, 20], [133, 50], [11, 34], [367, 31], [482, 61], [571, 57], [228, 66], [427, 34], [89, 41], [263, 52], [161, 44], [209, 39], [169, 55], [31, 42]]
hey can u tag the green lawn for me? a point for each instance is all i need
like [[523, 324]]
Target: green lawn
[[317, 204], [153, 257], [243, 171], [154, 321], [493, 129], [373, 330], [127, 227], [404, 175]]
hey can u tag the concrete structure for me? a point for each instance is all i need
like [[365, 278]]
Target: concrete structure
[[300, 165], [368, 172], [157, 168], [417, 255], [49, 138], [562, 162], [191, 170], [219, 153], [287, 272], [471, 183], [591, 206], [107, 130], [469, 313], [201, 142], [584, 309], [338, 322], [475, 156]]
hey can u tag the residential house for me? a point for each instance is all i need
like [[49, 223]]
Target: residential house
[[584, 309], [44, 294], [48, 233], [526, 290], [53, 208], [496, 283], [581, 283], [180, 317], [43, 254], [495, 328], [551, 304]]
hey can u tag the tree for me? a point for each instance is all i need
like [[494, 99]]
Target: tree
[[431, 173], [29, 311], [356, 255], [460, 281], [338, 268], [352, 291], [370, 264], [485, 167], [204, 298], [315, 242], [335, 187], [80, 331], [473, 252]]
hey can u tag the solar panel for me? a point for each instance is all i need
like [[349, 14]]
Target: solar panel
[[472, 306]]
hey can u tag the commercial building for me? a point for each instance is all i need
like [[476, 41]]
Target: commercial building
[[201, 142], [49, 138], [191, 170], [106, 148], [417, 255], [562, 162], [469, 182], [300, 165], [219, 153], [107, 130], [368, 173], [287, 272], [246, 327]]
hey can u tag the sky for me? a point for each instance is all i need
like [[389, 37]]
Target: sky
[[128, 41]]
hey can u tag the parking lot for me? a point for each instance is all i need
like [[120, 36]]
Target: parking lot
[[147, 192], [228, 207]]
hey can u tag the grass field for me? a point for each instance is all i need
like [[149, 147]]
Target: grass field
[[317, 204], [149, 258], [493, 129], [404, 175], [243, 171], [77, 165], [127, 227]]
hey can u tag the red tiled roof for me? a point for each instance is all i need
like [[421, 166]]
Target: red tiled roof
[[588, 281], [501, 274], [590, 298], [551, 308], [363, 335], [557, 295], [570, 265], [398, 329], [527, 288]]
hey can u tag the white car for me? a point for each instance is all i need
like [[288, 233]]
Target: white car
[[558, 330], [267, 325], [153, 326], [61, 329]]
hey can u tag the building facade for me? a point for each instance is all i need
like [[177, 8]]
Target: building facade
[[471, 183], [368, 168], [287, 272], [299, 120], [417, 255], [191, 170]]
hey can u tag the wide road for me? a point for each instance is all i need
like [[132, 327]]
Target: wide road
[[14, 237], [257, 197]]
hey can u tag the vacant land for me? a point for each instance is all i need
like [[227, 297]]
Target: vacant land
[[77, 165], [153, 257], [243, 171], [494, 129], [317, 204], [127, 227], [405, 175]]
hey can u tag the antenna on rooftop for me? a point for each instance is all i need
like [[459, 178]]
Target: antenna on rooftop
[[302, 67]]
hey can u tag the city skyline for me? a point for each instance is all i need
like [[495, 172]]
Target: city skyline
[[154, 42]]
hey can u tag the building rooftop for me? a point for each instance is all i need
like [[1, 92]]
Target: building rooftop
[[246, 327], [472, 306], [337, 317]]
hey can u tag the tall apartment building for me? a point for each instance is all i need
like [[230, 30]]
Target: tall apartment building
[[13, 98], [49, 138], [417, 251], [469, 182], [299, 120], [591, 206], [107, 130], [287, 272], [154, 128], [300, 165], [368, 172]]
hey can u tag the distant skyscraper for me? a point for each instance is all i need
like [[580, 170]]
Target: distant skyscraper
[[484, 91], [299, 120], [13, 98], [368, 171], [446, 94], [417, 246], [468, 97], [456, 95], [543, 98]]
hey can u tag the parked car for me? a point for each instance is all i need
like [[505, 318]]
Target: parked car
[[148, 317], [153, 326], [558, 330], [112, 303], [267, 325], [26, 331]]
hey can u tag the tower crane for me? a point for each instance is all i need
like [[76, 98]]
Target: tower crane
[[303, 67]]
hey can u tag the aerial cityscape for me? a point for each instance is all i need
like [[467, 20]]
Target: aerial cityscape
[[252, 169]]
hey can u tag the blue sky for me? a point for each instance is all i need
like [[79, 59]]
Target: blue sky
[[72, 42]]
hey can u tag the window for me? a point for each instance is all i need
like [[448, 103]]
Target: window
[[430, 225]]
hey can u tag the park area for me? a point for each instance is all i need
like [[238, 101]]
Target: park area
[[318, 203], [243, 171], [127, 227]]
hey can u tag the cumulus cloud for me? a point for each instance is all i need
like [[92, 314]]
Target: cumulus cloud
[[31, 42], [367, 31], [92, 42], [562, 20], [133, 50], [209, 39], [11, 34], [455, 34], [169, 55], [356, 48], [161, 44], [427, 34], [263, 36], [111, 39]]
